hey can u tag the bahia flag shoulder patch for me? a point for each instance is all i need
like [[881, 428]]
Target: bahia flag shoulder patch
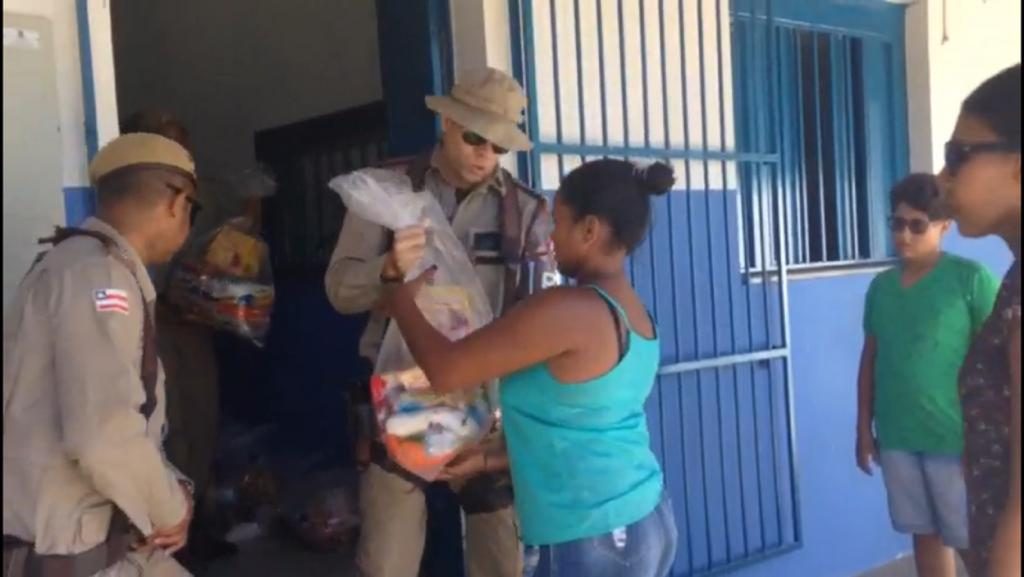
[[112, 301]]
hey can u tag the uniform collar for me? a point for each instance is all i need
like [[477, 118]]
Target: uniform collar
[[140, 272], [494, 184]]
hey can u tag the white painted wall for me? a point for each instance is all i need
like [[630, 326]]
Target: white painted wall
[[69, 76], [103, 74], [481, 33], [229, 69], [38, 203], [481, 37], [981, 38]]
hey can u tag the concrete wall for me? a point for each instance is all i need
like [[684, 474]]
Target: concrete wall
[[844, 514], [63, 13], [229, 69], [951, 48], [948, 56], [83, 123]]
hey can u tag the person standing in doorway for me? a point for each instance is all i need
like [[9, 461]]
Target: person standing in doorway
[[193, 392], [982, 183], [919, 321], [87, 487], [504, 227]]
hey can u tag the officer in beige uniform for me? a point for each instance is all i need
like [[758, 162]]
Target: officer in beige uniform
[[87, 488], [504, 227]]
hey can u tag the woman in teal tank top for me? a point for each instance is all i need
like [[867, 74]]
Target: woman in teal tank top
[[576, 366]]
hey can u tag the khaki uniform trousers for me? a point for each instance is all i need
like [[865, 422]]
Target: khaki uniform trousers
[[394, 529]]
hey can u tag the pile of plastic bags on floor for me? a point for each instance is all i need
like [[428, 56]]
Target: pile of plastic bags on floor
[[246, 495], [265, 490], [322, 512], [423, 431]]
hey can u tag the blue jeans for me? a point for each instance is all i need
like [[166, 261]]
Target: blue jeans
[[644, 549]]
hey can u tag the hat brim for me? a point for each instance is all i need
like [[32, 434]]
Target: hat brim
[[493, 127]]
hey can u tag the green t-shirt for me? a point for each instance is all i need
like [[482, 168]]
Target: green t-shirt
[[923, 333]]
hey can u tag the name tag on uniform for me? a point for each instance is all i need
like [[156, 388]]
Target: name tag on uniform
[[486, 248]]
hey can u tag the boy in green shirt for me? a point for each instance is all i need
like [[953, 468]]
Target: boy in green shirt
[[919, 321]]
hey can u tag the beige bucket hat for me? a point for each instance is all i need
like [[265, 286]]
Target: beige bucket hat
[[140, 150], [490, 103]]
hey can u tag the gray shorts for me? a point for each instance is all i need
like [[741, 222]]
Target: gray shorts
[[927, 495]]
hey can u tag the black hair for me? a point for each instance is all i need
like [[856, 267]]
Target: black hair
[[618, 192], [157, 122], [997, 103], [920, 192]]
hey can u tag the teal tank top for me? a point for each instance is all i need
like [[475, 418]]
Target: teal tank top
[[580, 454]]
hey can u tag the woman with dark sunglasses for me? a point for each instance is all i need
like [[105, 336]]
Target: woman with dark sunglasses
[[982, 182]]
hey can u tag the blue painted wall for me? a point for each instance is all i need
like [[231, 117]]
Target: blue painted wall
[[79, 204], [845, 518], [722, 435]]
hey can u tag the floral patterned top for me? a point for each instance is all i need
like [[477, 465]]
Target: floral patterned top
[[985, 390]]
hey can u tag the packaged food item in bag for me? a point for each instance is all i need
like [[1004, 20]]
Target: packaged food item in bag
[[423, 431], [227, 282]]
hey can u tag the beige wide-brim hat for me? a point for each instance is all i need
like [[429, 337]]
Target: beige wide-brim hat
[[489, 103], [141, 149]]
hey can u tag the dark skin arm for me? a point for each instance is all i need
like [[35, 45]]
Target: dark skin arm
[[542, 328], [490, 456], [866, 446]]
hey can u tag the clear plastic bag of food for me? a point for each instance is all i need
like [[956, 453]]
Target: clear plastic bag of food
[[423, 431], [227, 282]]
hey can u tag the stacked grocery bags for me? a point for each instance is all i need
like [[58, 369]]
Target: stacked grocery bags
[[423, 431], [224, 279]]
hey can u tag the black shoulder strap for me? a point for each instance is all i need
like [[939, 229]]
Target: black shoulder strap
[[512, 241], [150, 361], [621, 335], [518, 242], [417, 171]]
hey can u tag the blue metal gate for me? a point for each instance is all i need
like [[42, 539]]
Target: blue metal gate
[[786, 122], [652, 79]]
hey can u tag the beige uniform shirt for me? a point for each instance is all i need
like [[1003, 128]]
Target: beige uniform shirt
[[353, 278], [74, 439]]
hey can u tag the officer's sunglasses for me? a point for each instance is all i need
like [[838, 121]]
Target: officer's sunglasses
[[195, 207], [473, 139], [959, 154], [917, 226]]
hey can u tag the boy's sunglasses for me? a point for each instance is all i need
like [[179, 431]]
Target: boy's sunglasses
[[917, 226], [960, 153], [473, 139]]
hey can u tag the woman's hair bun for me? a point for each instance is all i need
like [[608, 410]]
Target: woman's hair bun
[[655, 179]]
